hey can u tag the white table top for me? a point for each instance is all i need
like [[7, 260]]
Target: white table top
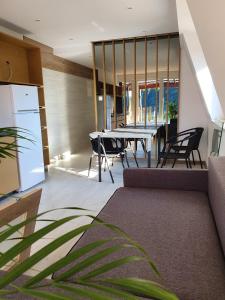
[[127, 133], [148, 131]]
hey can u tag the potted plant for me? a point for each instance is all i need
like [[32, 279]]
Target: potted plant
[[85, 286], [172, 112]]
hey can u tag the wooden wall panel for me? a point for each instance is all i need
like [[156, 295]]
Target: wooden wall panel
[[114, 84], [124, 83], [24, 66], [43, 117], [167, 86], [157, 79], [44, 48], [95, 87], [135, 83], [56, 63], [41, 97], [17, 57], [104, 84], [146, 74], [9, 177], [34, 66]]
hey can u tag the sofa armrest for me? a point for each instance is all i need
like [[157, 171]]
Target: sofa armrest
[[193, 180]]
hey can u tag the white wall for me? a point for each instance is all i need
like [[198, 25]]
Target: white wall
[[189, 36], [208, 17], [69, 108], [192, 109]]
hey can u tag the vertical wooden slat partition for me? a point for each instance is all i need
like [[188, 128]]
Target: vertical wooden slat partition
[[157, 79], [167, 85], [127, 72], [104, 84], [179, 85], [124, 82], [135, 83], [146, 72], [95, 86], [114, 81]]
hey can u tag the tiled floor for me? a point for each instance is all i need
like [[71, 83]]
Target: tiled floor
[[67, 185]]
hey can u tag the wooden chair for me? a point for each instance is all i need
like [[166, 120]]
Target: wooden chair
[[27, 205]]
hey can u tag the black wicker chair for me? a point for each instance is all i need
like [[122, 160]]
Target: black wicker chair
[[179, 147], [197, 139], [110, 148]]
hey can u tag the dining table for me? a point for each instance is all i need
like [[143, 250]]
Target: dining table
[[125, 133]]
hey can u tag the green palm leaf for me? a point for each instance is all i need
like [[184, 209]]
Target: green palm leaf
[[142, 288], [11, 148], [88, 285], [109, 290], [43, 294], [64, 261]]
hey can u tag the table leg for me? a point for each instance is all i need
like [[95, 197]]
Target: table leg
[[99, 160], [149, 159]]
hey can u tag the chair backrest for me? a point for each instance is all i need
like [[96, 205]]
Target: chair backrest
[[199, 132], [111, 146], [185, 143], [94, 144], [191, 142]]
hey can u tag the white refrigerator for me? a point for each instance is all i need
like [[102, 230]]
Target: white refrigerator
[[19, 107]]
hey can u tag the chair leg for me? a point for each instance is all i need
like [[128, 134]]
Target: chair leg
[[200, 159], [110, 173], [187, 163], [143, 145], [125, 154], [135, 158], [158, 162], [121, 157], [135, 145], [112, 161], [104, 163], [90, 162], [163, 162], [193, 158], [174, 162]]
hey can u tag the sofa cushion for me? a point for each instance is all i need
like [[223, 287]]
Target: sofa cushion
[[177, 230], [216, 192], [169, 179]]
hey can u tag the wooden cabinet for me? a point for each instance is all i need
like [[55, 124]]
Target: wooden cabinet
[[20, 63], [9, 179]]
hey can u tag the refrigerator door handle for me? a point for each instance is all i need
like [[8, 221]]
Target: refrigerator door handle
[[27, 110]]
